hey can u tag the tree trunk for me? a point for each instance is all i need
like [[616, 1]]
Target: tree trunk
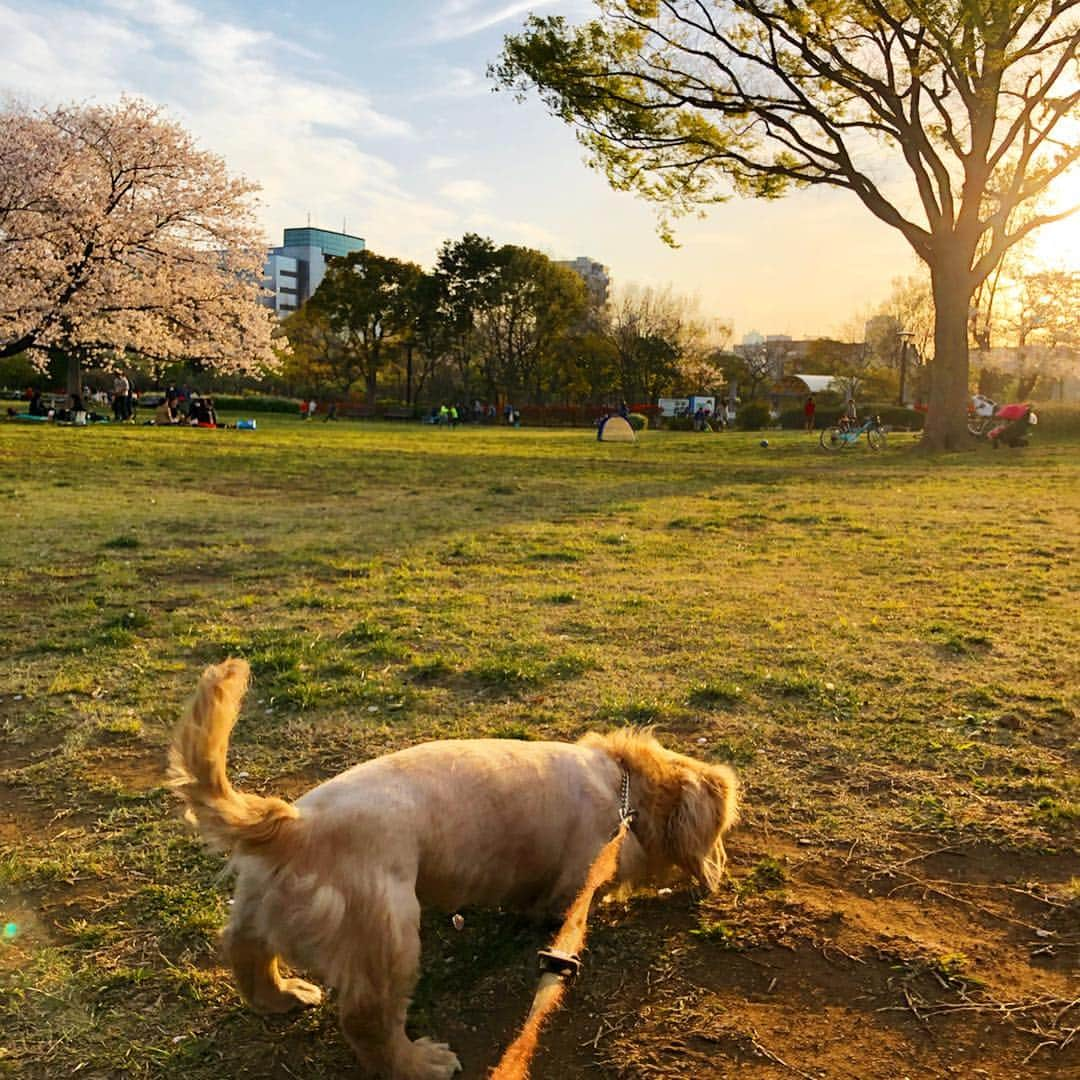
[[74, 375], [946, 419]]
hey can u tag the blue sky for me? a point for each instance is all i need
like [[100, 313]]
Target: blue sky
[[379, 115]]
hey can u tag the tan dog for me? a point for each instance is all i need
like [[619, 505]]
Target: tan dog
[[333, 884]]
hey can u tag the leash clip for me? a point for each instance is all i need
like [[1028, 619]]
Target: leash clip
[[566, 965]]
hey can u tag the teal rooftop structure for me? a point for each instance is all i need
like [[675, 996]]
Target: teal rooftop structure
[[329, 243]]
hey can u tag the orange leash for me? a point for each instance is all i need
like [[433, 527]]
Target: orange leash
[[567, 945]]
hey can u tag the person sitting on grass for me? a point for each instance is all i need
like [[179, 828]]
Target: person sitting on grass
[[167, 413], [37, 406], [850, 419], [201, 412]]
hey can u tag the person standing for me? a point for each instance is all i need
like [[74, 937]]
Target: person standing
[[121, 390], [808, 412]]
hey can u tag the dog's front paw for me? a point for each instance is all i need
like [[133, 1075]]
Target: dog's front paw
[[429, 1060]]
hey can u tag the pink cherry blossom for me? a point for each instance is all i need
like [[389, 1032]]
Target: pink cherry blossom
[[122, 242]]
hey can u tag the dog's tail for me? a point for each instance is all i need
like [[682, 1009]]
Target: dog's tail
[[724, 778], [226, 818]]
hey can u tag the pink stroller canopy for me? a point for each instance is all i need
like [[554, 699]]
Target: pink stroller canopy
[[1012, 412]]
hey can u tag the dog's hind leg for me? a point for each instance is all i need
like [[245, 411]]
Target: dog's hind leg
[[254, 961], [375, 993], [260, 980]]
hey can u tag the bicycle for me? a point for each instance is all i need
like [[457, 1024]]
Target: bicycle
[[836, 438]]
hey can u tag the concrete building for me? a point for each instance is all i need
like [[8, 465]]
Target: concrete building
[[594, 274], [293, 271]]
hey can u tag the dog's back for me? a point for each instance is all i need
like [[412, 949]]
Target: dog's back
[[485, 822]]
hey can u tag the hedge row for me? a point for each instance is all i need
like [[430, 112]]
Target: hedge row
[[256, 403], [893, 416], [1057, 419]]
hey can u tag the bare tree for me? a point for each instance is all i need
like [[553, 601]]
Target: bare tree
[[653, 331]]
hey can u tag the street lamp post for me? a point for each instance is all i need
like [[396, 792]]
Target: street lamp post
[[905, 336]]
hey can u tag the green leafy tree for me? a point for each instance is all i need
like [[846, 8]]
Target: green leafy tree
[[432, 335], [317, 360], [970, 101], [467, 273], [367, 302], [530, 309]]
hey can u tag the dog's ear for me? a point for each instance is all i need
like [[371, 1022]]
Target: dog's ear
[[706, 809]]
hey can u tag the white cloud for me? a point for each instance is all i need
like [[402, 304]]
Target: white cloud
[[511, 231], [306, 138], [462, 18], [455, 82], [467, 191], [439, 162]]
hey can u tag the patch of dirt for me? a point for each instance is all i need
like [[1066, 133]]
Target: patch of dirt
[[828, 976], [136, 769], [19, 754], [25, 811]]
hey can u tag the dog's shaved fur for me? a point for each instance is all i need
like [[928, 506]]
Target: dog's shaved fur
[[333, 884]]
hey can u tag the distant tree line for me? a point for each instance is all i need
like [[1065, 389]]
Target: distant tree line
[[495, 323]]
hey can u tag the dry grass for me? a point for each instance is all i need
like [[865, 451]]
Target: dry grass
[[883, 645]]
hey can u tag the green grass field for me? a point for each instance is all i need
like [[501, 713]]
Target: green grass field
[[884, 646]]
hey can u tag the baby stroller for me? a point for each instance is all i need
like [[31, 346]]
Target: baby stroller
[[1014, 422]]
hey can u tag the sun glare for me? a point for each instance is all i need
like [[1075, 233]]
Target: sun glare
[[1057, 246]]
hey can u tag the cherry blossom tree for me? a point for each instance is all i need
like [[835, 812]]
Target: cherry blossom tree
[[124, 244]]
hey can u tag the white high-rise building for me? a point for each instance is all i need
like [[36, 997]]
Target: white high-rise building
[[293, 271], [594, 274]]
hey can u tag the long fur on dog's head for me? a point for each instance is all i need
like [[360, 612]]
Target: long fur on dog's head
[[684, 805]]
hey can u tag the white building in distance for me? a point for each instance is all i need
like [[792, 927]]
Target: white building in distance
[[594, 274], [293, 271]]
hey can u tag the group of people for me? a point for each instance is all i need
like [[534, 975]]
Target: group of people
[[183, 407], [450, 415], [72, 411], [724, 417], [124, 399]]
